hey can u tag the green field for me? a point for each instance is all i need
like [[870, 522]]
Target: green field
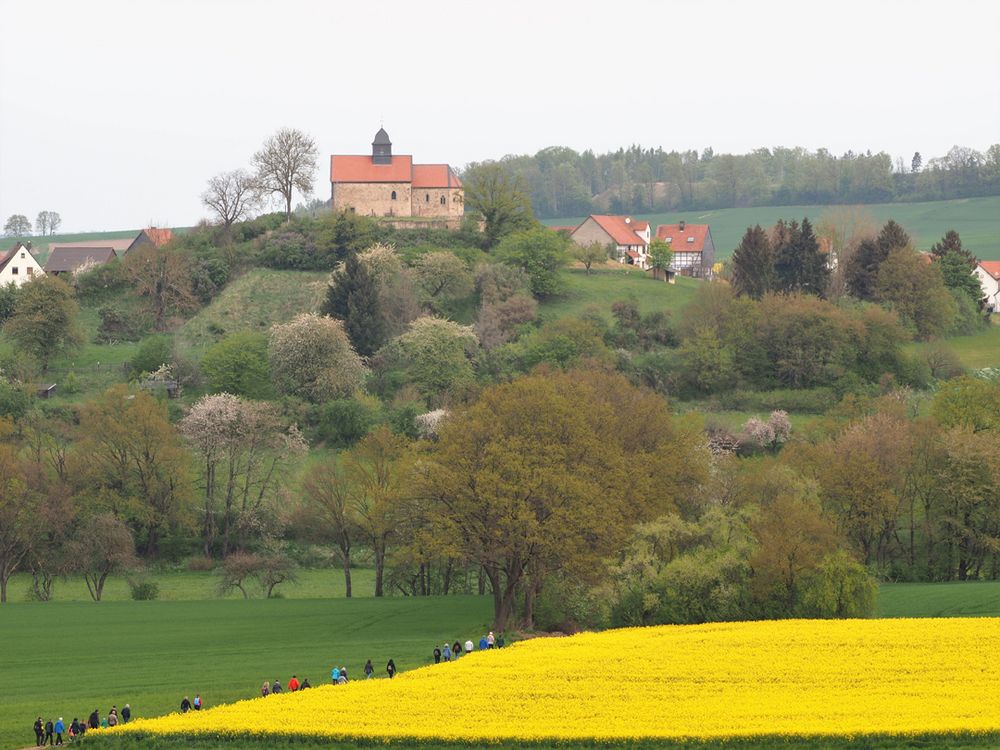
[[977, 220], [66, 658], [604, 286]]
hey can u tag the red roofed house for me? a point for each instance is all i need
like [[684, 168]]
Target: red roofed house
[[988, 273], [18, 266], [628, 237], [692, 246], [387, 185]]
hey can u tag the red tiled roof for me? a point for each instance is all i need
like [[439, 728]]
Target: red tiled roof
[[640, 226], [678, 238], [434, 176], [159, 237], [363, 169], [620, 230], [992, 267], [633, 254]]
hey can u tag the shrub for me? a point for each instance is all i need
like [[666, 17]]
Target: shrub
[[238, 365], [117, 325], [944, 364], [153, 352], [143, 591], [343, 422]]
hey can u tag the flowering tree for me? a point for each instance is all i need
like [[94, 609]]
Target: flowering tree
[[312, 357]]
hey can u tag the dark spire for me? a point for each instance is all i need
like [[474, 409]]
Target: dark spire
[[382, 148]]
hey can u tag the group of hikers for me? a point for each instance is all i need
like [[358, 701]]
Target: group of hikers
[[187, 704], [453, 652], [51, 733]]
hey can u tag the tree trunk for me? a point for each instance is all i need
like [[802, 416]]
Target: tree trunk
[[447, 578], [347, 572], [3, 589], [379, 550], [482, 582]]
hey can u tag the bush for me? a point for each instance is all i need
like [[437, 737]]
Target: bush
[[238, 365], [8, 300], [343, 422], [143, 591], [200, 564], [117, 325], [153, 352], [101, 282], [942, 361], [14, 402]]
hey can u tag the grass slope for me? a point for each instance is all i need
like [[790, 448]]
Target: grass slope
[[70, 657], [977, 220], [956, 599], [254, 302], [614, 282]]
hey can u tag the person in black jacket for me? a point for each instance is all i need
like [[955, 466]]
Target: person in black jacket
[[390, 668], [39, 731], [437, 655], [185, 705], [48, 733], [94, 721], [126, 713]]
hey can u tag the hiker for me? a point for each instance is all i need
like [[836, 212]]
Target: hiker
[[483, 643], [74, 729], [82, 729], [126, 713], [276, 687], [343, 673], [446, 654], [391, 668], [457, 650], [490, 640], [335, 675], [305, 684], [185, 705], [265, 689], [437, 655], [60, 729], [293, 684], [500, 641], [39, 731], [468, 646], [48, 733], [369, 669], [197, 702], [113, 718], [95, 719]]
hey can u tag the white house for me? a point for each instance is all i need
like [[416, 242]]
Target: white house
[[692, 246], [629, 237], [988, 273], [18, 266]]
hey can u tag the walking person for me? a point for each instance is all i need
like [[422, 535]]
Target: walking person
[[293, 684], [369, 669], [265, 689], [335, 675], [197, 702], [39, 731], [468, 646], [483, 643], [305, 683], [60, 729], [126, 713], [48, 733], [275, 687], [185, 705], [343, 674], [113, 718], [446, 653], [390, 668], [490, 640], [94, 721], [437, 655], [456, 650]]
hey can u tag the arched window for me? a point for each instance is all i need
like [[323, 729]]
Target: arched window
[[394, 195], [427, 197], [443, 201]]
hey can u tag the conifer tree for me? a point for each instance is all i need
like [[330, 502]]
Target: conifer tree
[[753, 264], [861, 272], [952, 243], [798, 263], [353, 297]]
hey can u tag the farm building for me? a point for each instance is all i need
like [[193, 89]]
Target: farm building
[[628, 237], [692, 246], [988, 273], [18, 265], [69, 257], [387, 185]]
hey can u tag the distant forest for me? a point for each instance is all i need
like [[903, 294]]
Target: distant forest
[[563, 182]]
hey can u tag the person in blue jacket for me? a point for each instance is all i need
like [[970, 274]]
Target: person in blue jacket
[[60, 729], [334, 675], [483, 644]]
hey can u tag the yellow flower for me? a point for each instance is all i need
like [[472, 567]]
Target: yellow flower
[[792, 677]]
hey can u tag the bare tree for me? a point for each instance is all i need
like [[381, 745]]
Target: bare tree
[[162, 276], [55, 221], [232, 196], [287, 162], [42, 223], [103, 546], [17, 226]]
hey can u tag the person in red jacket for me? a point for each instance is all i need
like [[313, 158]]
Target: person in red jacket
[[293, 684]]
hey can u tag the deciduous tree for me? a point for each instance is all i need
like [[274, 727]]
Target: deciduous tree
[[589, 254], [541, 253], [286, 163], [500, 197], [17, 226], [442, 277], [17, 516], [232, 196], [102, 546], [44, 323], [312, 357], [162, 277]]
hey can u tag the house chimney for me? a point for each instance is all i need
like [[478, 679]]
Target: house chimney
[[681, 225]]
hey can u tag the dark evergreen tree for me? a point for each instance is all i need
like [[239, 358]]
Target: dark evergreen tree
[[798, 262], [353, 296], [753, 264], [952, 243], [862, 270], [958, 276], [916, 162]]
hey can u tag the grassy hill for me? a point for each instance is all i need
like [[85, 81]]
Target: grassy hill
[[977, 220], [611, 283]]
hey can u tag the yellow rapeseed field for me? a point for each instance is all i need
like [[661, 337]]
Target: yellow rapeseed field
[[793, 677]]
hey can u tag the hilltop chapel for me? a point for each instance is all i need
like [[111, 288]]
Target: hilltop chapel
[[387, 185]]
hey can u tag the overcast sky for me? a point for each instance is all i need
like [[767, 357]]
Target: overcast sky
[[114, 114]]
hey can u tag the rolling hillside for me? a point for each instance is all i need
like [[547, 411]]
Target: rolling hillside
[[977, 220]]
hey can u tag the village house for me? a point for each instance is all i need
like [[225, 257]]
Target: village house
[[386, 185], [18, 266], [692, 247], [627, 238], [988, 273], [69, 257]]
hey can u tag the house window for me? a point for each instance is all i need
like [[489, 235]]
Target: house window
[[427, 197], [443, 201], [22, 256], [31, 271], [394, 195], [13, 271]]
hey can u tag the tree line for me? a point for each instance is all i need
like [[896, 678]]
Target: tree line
[[563, 182]]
